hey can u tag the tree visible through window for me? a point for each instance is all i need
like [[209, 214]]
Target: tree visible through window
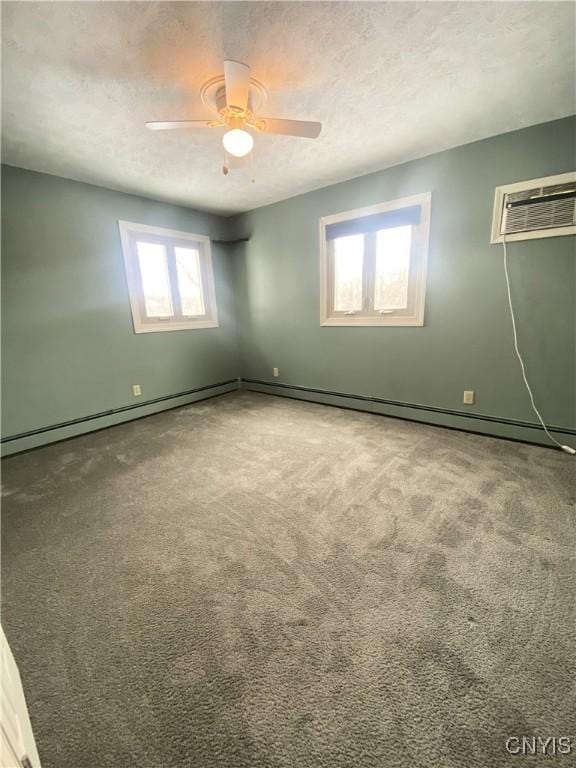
[[153, 266], [392, 268], [189, 280], [348, 264]]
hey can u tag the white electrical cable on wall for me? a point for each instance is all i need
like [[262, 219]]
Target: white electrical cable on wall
[[565, 448]]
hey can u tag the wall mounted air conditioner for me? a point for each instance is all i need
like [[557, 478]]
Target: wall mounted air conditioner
[[535, 208]]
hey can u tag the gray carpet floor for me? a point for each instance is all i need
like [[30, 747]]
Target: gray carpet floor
[[255, 582]]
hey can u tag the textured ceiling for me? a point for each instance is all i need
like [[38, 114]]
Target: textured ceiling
[[390, 81]]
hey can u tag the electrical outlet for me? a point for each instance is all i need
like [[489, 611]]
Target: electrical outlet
[[275, 372], [136, 390], [468, 398]]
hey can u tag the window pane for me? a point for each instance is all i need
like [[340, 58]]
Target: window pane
[[392, 268], [155, 279], [348, 259], [189, 281]]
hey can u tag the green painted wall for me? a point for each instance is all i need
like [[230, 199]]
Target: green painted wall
[[466, 342], [68, 345], [69, 350]]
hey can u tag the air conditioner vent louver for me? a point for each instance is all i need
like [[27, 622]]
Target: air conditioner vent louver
[[559, 213], [526, 194], [558, 188], [536, 208]]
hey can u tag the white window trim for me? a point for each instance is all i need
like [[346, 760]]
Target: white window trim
[[420, 240], [141, 323]]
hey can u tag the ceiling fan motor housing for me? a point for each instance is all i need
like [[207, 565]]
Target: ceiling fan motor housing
[[235, 117]]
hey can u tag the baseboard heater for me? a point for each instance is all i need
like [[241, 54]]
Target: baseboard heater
[[115, 411], [402, 404]]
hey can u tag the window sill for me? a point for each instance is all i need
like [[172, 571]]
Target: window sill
[[164, 327], [363, 322]]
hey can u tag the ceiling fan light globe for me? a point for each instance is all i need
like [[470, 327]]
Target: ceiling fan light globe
[[237, 142]]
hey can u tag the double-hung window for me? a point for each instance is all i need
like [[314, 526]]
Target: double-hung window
[[170, 278], [373, 264]]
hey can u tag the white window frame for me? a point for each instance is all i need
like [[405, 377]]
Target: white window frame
[[130, 232], [414, 316]]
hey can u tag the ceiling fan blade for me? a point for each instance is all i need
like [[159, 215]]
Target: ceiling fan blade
[[304, 128], [168, 125], [237, 79]]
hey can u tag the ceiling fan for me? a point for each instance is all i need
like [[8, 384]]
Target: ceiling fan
[[235, 97]]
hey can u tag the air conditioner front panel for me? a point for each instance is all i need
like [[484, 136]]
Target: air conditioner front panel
[[537, 208]]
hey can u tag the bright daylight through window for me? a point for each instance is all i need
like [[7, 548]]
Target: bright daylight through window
[[170, 279], [373, 264]]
